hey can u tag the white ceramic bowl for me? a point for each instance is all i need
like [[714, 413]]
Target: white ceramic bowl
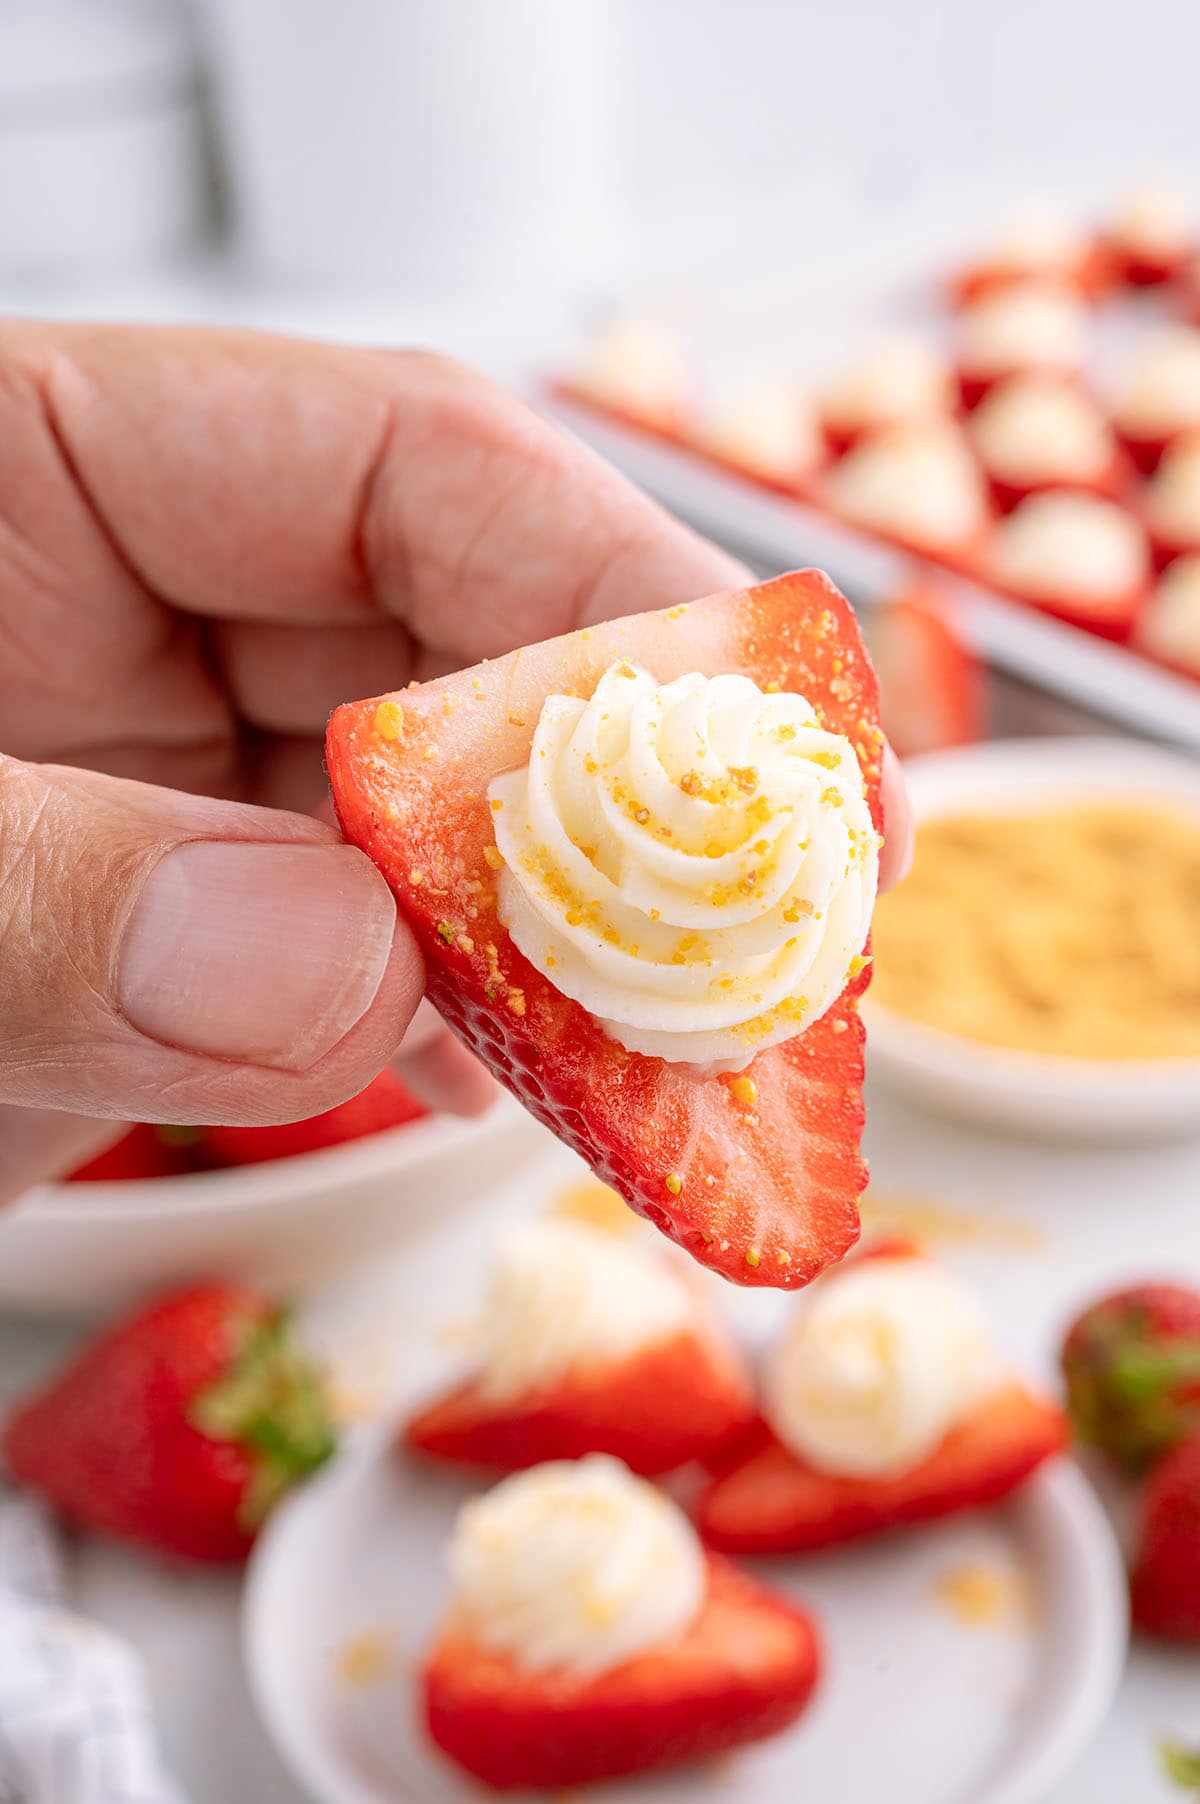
[[1035, 1094], [288, 1225]]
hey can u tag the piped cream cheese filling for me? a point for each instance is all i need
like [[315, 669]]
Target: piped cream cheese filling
[[563, 1298], [877, 1365], [575, 1565], [692, 862]]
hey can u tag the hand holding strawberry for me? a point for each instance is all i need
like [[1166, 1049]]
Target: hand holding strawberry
[[1132, 1367], [180, 1427]]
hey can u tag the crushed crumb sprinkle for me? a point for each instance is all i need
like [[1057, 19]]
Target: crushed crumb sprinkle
[[389, 720]]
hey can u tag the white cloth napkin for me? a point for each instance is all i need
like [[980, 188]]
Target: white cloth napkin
[[75, 1722]]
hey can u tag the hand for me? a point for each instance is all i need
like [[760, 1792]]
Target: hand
[[208, 540]]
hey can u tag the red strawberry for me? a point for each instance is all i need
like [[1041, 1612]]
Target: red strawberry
[[758, 1178], [930, 682], [385, 1103], [179, 1428], [141, 1152], [677, 1400], [776, 1503], [745, 1670], [1132, 1366], [1165, 1586]]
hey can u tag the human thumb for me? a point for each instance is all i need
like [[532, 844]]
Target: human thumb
[[167, 957]]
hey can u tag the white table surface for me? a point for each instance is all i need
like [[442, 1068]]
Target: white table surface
[[1082, 1219]]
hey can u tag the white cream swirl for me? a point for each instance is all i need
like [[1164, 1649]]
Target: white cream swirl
[[576, 1564], [692, 862], [563, 1296], [877, 1365]]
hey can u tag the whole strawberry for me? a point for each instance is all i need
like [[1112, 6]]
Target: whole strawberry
[[1132, 1367], [1165, 1585], [180, 1427]]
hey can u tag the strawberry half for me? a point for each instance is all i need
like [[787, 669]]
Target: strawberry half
[[142, 1152], [673, 1401], [385, 1103], [1165, 1586], [931, 684], [774, 1502], [179, 1428], [1132, 1367], [757, 1178], [744, 1670]]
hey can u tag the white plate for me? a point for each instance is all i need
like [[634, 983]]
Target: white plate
[[1107, 1099], [915, 1703]]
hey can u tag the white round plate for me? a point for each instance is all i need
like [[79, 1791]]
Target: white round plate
[[1085, 1099], [915, 1703]]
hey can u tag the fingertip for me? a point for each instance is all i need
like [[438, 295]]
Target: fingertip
[[897, 854]]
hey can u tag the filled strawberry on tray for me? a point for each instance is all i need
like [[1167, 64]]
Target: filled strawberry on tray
[[1033, 436]]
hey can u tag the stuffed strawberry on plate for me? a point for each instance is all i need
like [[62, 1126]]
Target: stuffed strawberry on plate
[[896, 381], [1039, 326], [591, 1637], [885, 1404], [918, 484], [1037, 432], [641, 862], [1151, 236], [589, 1343], [1035, 244], [1158, 398], [1077, 556]]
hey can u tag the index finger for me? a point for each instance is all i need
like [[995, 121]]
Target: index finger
[[256, 478]]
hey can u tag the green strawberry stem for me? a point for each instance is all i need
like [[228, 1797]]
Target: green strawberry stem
[[272, 1404], [1180, 1764]]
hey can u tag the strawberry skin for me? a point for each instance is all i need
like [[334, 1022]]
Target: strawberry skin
[[931, 683], [775, 1503], [1165, 1585], [677, 1400], [1132, 1367], [764, 1191], [385, 1103], [178, 1428], [744, 1670], [141, 1152]]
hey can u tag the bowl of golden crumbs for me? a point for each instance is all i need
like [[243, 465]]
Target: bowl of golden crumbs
[[1039, 968]]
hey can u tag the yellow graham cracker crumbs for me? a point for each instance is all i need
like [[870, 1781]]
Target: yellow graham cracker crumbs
[[983, 1597], [389, 720], [366, 1658], [516, 1001]]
